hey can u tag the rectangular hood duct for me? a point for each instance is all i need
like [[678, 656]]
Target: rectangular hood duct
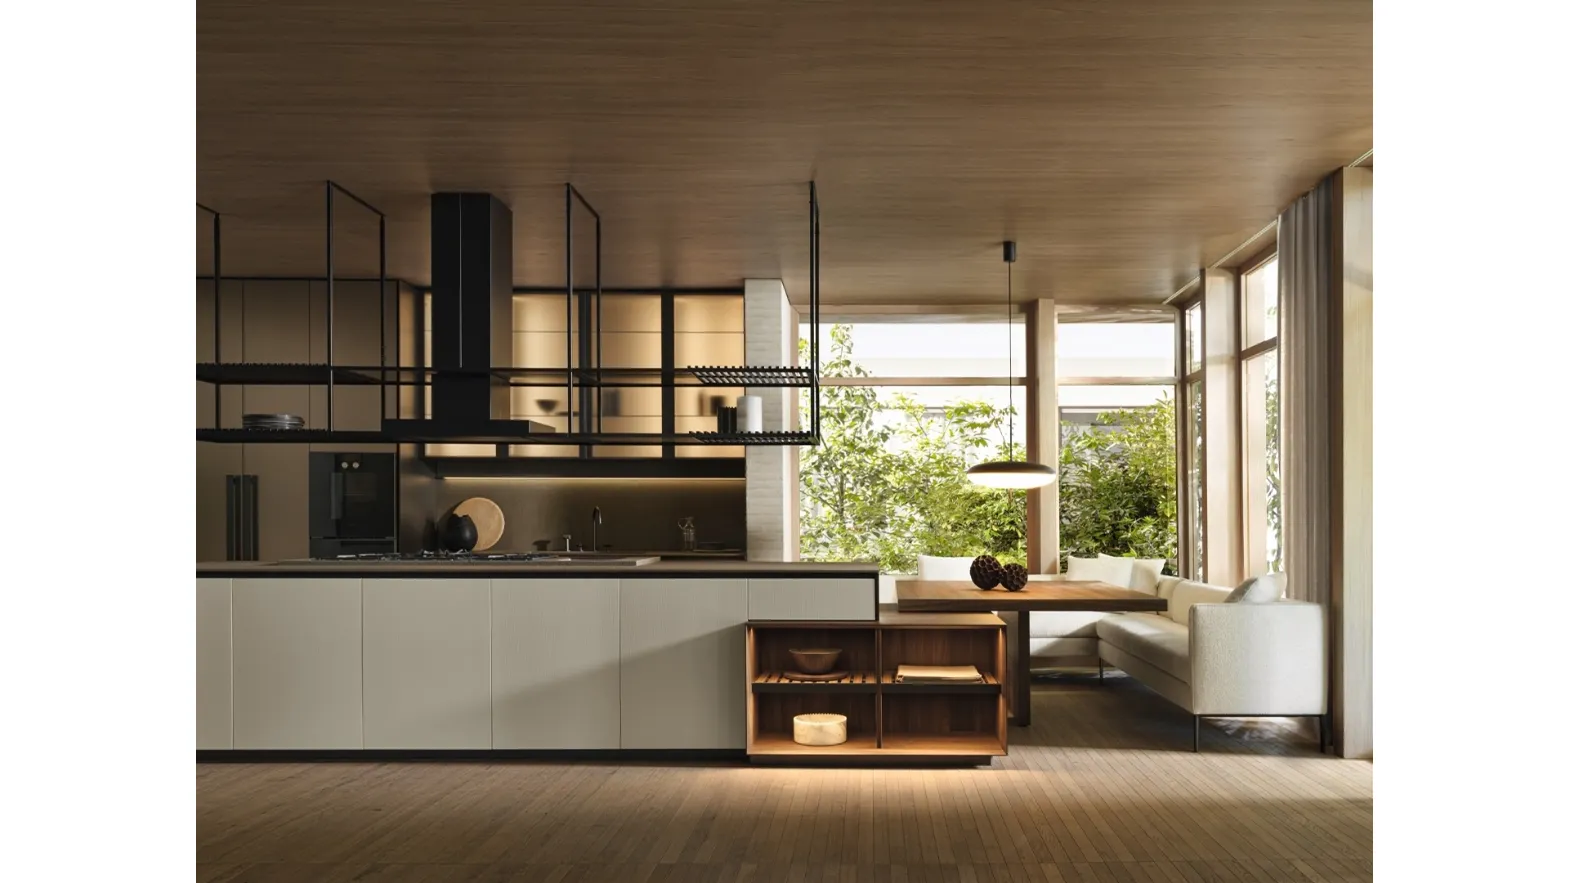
[[471, 309]]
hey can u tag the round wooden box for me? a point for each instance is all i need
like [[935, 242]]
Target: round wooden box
[[820, 729]]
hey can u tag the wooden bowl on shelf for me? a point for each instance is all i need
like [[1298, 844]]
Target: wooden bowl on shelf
[[815, 661]]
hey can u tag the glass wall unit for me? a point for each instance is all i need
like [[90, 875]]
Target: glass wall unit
[[642, 340]]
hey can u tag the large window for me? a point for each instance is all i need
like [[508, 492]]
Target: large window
[[1118, 481], [1192, 446], [906, 409], [1261, 419]]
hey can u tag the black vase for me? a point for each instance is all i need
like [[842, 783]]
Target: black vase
[[459, 534]]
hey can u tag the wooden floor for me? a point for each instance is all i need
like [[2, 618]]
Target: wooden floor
[[1101, 789]]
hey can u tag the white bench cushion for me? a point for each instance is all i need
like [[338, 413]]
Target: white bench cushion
[[1064, 624], [1155, 639]]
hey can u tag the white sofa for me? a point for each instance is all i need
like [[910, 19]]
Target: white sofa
[[1211, 657]]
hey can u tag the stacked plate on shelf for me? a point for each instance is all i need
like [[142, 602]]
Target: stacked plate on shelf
[[273, 421]]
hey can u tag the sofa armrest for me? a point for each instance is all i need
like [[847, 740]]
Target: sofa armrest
[[1258, 659]]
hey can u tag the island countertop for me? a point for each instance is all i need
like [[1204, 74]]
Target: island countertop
[[659, 569]]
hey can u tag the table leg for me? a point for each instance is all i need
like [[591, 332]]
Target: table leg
[[1020, 686]]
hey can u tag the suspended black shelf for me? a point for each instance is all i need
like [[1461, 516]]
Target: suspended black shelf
[[752, 375], [591, 467], [776, 437], [285, 374], [292, 436]]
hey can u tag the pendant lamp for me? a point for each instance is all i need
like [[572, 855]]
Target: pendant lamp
[[1011, 474]]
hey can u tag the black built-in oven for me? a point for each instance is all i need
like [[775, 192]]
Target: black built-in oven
[[354, 504]]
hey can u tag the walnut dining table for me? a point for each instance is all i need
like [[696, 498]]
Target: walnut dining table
[[1052, 594]]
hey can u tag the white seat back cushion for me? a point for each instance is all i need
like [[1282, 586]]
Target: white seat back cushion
[[1258, 589], [1112, 571], [1188, 593], [1144, 574], [933, 567]]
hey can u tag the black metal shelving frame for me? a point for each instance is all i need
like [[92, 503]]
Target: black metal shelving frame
[[585, 378]]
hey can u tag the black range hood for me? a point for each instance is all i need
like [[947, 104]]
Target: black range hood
[[471, 323], [471, 308]]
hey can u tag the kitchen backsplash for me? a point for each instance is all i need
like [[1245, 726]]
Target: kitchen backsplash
[[638, 515]]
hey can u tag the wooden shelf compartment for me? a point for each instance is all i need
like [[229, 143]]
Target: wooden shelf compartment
[[982, 647], [944, 723], [770, 647], [773, 721]]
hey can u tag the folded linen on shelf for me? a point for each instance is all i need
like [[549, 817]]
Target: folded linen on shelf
[[937, 674]]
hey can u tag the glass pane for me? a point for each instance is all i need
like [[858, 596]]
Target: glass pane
[[1260, 303], [1193, 346], [1262, 463], [1195, 481], [889, 484], [1117, 486], [1102, 398], [920, 349], [1115, 349]]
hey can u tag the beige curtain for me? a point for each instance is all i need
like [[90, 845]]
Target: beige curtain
[[1309, 382]]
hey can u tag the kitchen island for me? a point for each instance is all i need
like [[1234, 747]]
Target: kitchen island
[[331, 657]]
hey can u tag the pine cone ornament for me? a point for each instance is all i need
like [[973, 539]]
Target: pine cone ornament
[[1015, 577], [986, 572]]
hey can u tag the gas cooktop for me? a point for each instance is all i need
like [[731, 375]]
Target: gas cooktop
[[445, 557]]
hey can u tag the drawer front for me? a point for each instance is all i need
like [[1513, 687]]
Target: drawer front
[[820, 599]]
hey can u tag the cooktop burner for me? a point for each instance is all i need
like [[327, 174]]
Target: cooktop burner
[[445, 557]]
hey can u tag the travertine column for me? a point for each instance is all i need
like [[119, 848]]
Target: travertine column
[[772, 494]]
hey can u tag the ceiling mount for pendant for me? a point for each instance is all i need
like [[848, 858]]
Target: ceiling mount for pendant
[[1011, 474]]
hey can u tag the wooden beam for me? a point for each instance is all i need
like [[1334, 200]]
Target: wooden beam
[[1041, 434]]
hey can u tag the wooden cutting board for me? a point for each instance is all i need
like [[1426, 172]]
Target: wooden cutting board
[[488, 520]]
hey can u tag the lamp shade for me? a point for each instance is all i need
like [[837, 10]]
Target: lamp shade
[[1011, 474]]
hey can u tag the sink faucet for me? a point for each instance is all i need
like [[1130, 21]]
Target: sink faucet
[[595, 520]]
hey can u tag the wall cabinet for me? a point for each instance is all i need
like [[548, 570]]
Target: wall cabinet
[[297, 663], [556, 663], [683, 646], [823, 600], [427, 663], [214, 706]]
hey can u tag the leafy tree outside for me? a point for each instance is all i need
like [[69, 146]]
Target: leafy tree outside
[[888, 482]]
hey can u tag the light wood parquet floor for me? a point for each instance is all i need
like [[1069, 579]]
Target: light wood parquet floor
[[1101, 789]]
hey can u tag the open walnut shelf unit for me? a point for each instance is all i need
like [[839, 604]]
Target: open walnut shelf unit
[[884, 719]]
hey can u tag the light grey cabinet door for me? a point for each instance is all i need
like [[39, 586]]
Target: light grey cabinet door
[[427, 663], [297, 663], [824, 599], [214, 706], [683, 645], [555, 663]]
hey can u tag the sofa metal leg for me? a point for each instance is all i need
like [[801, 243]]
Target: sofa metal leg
[[1324, 732], [1196, 734], [1101, 670]]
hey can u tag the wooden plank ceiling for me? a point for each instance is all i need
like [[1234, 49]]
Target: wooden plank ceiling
[[1122, 144]]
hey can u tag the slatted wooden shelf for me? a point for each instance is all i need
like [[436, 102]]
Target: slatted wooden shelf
[[989, 684], [853, 682]]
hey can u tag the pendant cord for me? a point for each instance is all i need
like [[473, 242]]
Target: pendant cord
[[1010, 370]]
